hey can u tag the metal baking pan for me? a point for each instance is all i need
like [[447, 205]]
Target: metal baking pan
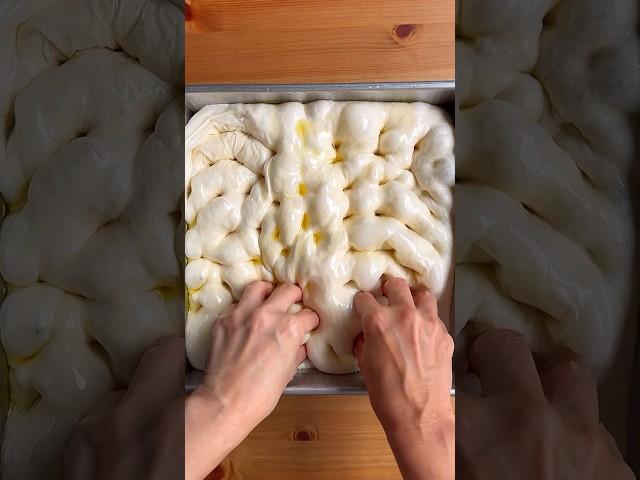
[[312, 381]]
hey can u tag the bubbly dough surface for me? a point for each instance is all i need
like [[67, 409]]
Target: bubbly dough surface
[[327, 195], [543, 232], [91, 172]]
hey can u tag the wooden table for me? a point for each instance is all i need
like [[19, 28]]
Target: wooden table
[[314, 438], [316, 41]]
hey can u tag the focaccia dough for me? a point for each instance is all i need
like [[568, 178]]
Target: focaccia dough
[[91, 115], [543, 232], [327, 195]]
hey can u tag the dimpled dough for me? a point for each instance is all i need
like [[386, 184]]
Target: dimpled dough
[[327, 195], [543, 237], [91, 169]]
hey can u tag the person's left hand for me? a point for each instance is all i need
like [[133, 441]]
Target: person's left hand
[[256, 347]]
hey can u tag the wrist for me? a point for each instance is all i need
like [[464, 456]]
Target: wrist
[[214, 413], [424, 449], [416, 420], [240, 409], [212, 431]]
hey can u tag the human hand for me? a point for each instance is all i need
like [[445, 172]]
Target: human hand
[[256, 347], [404, 354], [532, 421], [137, 432]]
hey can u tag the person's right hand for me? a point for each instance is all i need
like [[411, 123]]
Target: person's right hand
[[531, 421], [405, 356]]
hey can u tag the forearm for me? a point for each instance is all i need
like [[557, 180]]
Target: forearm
[[425, 453], [211, 433]]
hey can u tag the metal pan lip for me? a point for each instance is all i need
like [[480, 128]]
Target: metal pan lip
[[298, 386], [316, 87]]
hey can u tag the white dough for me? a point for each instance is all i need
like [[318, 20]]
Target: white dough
[[543, 233], [327, 195], [90, 146]]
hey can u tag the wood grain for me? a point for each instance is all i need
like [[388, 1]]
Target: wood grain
[[314, 438], [313, 41]]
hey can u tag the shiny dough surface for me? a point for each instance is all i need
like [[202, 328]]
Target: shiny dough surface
[[544, 241], [91, 115], [327, 195]]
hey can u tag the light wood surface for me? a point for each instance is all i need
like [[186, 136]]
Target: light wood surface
[[315, 41], [314, 438]]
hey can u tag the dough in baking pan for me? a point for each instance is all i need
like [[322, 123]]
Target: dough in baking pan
[[327, 195]]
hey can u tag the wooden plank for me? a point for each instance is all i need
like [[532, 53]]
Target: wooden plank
[[231, 15], [310, 41], [314, 438]]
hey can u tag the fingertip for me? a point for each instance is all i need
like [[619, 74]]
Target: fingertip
[[397, 291], [504, 363], [394, 282], [426, 302], [424, 293], [362, 297], [285, 295], [256, 290], [560, 354], [367, 309], [257, 284], [313, 318], [262, 285], [292, 286], [498, 339], [290, 289]]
